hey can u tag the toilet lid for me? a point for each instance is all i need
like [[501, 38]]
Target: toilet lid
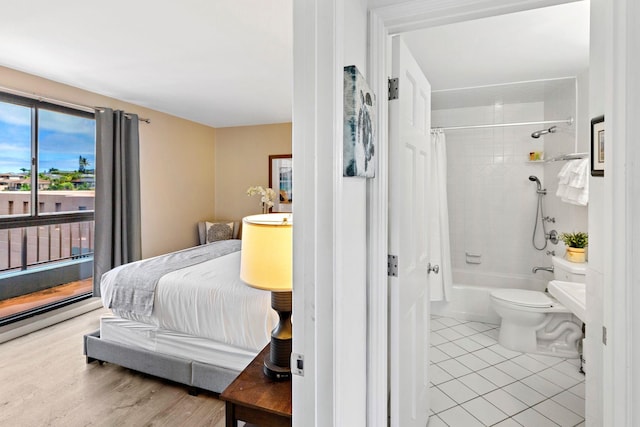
[[523, 297]]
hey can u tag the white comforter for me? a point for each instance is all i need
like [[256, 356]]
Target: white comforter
[[207, 300]]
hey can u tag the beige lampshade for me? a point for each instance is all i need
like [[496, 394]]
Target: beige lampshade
[[266, 260]]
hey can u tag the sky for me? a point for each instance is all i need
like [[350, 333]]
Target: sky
[[62, 139]]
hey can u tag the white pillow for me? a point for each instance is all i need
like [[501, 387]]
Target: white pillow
[[218, 231]]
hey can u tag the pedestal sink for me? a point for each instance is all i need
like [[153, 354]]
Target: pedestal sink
[[570, 294]]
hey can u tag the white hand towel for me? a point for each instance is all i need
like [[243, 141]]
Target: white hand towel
[[579, 174], [573, 182], [564, 174]]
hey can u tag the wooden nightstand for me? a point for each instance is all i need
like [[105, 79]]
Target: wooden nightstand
[[255, 399]]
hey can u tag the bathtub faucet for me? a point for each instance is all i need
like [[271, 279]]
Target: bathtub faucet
[[549, 269]]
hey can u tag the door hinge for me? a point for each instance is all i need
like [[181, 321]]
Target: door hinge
[[392, 265], [604, 335], [297, 364], [393, 89]]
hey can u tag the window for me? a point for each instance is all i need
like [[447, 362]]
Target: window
[[48, 157], [47, 187], [66, 161]]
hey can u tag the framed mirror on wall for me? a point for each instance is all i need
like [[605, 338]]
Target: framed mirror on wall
[[281, 181]]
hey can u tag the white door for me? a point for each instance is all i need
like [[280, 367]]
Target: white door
[[409, 138]]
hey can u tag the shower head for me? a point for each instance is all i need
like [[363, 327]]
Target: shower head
[[537, 134], [535, 179]]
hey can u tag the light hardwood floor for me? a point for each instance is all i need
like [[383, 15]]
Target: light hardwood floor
[[44, 381]]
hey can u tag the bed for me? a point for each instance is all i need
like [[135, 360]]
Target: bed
[[199, 325]]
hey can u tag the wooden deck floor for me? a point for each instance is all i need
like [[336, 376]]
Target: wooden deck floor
[[12, 306]]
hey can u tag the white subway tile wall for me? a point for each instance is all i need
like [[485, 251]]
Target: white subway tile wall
[[492, 204]]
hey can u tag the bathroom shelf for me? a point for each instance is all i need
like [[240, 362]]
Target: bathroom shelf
[[565, 157]]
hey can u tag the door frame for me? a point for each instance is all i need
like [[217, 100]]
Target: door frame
[[619, 372]]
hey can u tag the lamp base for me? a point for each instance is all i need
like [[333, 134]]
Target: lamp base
[[275, 372], [277, 364]]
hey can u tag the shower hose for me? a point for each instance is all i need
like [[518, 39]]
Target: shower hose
[[539, 215]]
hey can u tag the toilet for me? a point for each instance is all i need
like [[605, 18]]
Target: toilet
[[535, 322]]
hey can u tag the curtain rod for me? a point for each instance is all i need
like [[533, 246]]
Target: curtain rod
[[127, 115], [568, 121], [62, 103]]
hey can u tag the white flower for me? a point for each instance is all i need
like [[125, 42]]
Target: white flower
[[267, 199]]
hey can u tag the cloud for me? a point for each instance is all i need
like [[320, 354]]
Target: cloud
[[62, 139], [8, 148], [66, 123], [16, 115], [14, 157]]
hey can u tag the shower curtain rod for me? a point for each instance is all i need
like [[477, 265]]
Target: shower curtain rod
[[40, 98], [568, 121]]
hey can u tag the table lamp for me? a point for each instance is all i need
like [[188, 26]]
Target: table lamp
[[266, 263]]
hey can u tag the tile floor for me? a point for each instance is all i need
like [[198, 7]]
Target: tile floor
[[477, 382]]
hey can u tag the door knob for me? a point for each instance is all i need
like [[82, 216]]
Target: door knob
[[434, 268]]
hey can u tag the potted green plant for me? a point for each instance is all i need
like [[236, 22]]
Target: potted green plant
[[576, 244]]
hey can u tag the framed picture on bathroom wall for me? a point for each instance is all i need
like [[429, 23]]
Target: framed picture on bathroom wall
[[597, 146]]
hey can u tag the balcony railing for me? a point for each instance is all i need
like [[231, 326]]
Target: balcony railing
[[40, 252], [22, 248]]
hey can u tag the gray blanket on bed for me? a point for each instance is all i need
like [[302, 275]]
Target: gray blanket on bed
[[135, 284]]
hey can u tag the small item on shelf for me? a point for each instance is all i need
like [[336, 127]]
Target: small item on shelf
[[536, 156]]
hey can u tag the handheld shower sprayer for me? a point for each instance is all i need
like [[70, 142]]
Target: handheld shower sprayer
[[535, 179], [540, 215], [537, 134]]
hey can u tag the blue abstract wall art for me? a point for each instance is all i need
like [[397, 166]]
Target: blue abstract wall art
[[359, 145]]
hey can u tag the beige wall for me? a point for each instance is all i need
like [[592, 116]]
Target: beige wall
[[242, 160], [176, 164]]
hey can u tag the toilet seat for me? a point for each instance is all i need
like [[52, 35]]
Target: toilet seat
[[523, 298]]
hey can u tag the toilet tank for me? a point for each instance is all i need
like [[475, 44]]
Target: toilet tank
[[568, 271]]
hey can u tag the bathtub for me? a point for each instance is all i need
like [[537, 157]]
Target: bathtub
[[470, 295]]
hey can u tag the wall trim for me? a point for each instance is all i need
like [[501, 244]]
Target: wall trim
[[317, 71], [622, 247], [377, 237]]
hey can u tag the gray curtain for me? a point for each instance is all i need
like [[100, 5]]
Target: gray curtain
[[117, 202]]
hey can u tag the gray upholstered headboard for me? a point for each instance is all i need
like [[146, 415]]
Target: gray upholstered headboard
[[202, 231]]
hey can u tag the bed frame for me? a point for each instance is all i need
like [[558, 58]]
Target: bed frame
[[196, 375]]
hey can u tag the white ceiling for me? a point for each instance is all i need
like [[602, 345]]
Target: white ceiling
[[508, 93], [538, 44], [229, 62], [221, 63]]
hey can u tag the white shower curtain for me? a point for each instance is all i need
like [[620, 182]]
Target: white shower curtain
[[440, 284]]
